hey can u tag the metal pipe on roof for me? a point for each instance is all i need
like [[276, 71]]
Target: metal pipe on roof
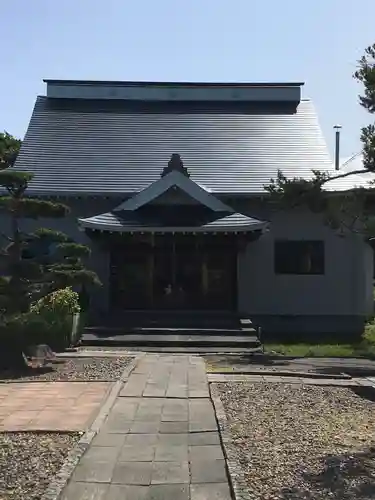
[[337, 146]]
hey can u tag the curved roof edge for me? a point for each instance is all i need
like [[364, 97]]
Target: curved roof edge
[[115, 223]]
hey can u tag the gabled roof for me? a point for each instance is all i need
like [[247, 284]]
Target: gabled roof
[[170, 181], [98, 147]]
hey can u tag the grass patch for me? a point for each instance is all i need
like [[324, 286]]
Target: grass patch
[[311, 350], [364, 348]]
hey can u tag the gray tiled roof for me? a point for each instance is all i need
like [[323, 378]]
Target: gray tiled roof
[[351, 164], [98, 147], [132, 222]]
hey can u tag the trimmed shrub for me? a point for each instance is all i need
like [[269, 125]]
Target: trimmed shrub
[[55, 311]]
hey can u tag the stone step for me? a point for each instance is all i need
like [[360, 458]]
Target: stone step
[[170, 319], [244, 340], [113, 331], [192, 350]]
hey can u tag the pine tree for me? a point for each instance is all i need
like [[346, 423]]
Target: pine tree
[[32, 264], [352, 211]]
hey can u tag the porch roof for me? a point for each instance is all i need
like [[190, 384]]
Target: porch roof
[[154, 222]]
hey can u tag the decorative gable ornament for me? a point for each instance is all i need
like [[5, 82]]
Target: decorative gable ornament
[[175, 164]]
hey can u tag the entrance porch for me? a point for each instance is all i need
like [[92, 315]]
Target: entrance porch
[[173, 247]]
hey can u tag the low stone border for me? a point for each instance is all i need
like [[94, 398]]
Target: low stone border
[[96, 354], [236, 473], [277, 379], [61, 479], [282, 373]]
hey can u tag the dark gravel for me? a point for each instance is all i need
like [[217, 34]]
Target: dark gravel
[[73, 369], [29, 461]]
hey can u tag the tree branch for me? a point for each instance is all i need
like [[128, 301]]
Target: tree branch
[[346, 174]]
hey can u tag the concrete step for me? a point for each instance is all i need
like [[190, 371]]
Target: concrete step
[[171, 319], [192, 350], [239, 340], [113, 331]]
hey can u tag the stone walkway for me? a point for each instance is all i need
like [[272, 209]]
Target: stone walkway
[[160, 440], [50, 406]]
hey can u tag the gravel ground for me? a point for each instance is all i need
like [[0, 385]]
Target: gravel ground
[[76, 369], [29, 461], [303, 442]]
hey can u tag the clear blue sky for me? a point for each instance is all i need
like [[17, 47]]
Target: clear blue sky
[[316, 41]]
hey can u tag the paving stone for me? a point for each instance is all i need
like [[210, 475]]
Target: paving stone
[[206, 452], [151, 403], [152, 434], [85, 491], [137, 453], [134, 387], [154, 392], [126, 410], [202, 426], [174, 427], [176, 391], [170, 472], [93, 472], [201, 408], [122, 492], [167, 492], [132, 390], [148, 414], [57, 406], [199, 394], [116, 425], [210, 492], [132, 473], [141, 439], [177, 409], [140, 427], [166, 452], [107, 439], [208, 471], [173, 439], [203, 438], [101, 454], [175, 417]]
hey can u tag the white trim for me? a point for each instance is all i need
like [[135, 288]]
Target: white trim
[[179, 180]]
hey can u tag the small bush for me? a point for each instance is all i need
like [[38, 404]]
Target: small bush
[[54, 314]]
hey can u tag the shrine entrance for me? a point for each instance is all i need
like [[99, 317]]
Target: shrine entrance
[[174, 272]]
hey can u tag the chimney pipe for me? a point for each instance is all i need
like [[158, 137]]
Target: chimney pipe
[[337, 147]]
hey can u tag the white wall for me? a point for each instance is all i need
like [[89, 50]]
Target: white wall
[[344, 289]]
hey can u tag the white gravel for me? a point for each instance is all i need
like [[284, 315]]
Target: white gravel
[[29, 461], [302, 442], [73, 369]]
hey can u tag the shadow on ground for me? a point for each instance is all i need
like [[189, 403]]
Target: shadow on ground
[[30, 371], [356, 367], [365, 393], [344, 477]]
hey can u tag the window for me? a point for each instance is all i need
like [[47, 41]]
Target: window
[[299, 257]]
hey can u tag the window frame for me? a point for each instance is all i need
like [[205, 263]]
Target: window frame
[[286, 269]]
